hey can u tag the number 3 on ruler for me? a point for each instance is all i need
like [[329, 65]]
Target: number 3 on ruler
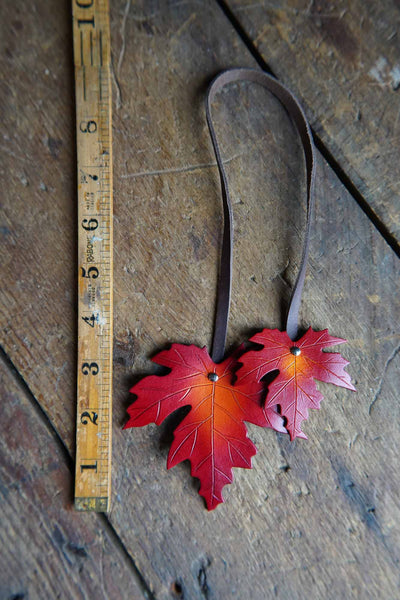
[[92, 368]]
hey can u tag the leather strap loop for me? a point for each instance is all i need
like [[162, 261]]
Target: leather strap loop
[[225, 272]]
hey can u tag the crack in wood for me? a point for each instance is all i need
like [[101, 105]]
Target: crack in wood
[[379, 388], [320, 145]]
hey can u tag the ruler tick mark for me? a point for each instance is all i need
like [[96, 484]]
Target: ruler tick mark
[[84, 82], [81, 38], [91, 49], [101, 47]]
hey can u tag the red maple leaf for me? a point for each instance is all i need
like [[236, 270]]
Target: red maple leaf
[[298, 363], [213, 435]]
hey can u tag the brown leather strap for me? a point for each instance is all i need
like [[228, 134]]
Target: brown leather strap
[[225, 272]]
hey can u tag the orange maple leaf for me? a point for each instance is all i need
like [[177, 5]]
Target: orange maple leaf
[[299, 363], [213, 435]]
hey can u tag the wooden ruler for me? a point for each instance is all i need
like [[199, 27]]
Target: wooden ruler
[[93, 133]]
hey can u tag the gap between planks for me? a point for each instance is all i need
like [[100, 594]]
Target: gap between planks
[[321, 147]]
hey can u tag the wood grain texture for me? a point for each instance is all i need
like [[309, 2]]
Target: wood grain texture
[[341, 58], [316, 519], [47, 549]]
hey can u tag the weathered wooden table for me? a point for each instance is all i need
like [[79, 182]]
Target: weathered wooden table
[[313, 519]]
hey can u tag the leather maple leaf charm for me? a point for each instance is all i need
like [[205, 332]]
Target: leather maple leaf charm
[[213, 435], [298, 363]]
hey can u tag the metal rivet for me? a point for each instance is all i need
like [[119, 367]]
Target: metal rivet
[[213, 377], [295, 350]]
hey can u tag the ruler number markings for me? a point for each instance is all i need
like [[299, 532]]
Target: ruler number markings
[[92, 416], [93, 102]]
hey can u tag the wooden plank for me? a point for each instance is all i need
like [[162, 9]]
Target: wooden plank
[[312, 519], [38, 185], [342, 60], [48, 550]]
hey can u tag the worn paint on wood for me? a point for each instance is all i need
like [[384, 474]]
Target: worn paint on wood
[[314, 519], [342, 59]]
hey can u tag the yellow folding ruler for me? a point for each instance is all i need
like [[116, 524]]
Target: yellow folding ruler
[[91, 29]]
